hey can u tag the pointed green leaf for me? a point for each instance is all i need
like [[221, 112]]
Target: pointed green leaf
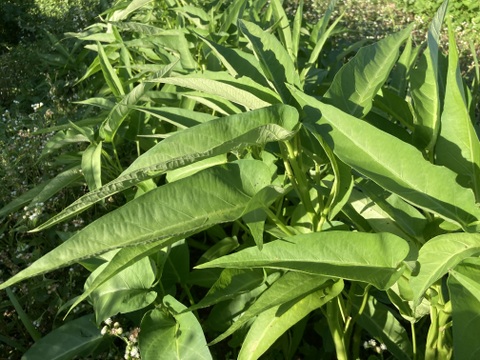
[[230, 283], [227, 91], [170, 333], [357, 82], [92, 166], [22, 200], [122, 109], [290, 287], [111, 77], [381, 323], [374, 154], [273, 323], [439, 255], [465, 296], [76, 338], [371, 258], [284, 30], [126, 291], [168, 213], [121, 260], [274, 59], [458, 147], [132, 7], [238, 63], [215, 137], [426, 88]]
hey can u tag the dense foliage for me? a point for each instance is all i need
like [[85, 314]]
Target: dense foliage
[[254, 183]]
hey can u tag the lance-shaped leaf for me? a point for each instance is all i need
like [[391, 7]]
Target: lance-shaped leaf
[[375, 154], [209, 86], [465, 296], [182, 148], [238, 63], [111, 77], [171, 333], [426, 87], [274, 60], [122, 109], [458, 147], [78, 337], [121, 260], [370, 258], [439, 255], [127, 291], [274, 322], [290, 287], [92, 165], [168, 213], [381, 323], [357, 82]]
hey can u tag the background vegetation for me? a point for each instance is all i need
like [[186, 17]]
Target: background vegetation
[[40, 90]]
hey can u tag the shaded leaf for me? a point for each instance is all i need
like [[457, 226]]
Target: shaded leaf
[[169, 332], [167, 214], [439, 255], [371, 258]]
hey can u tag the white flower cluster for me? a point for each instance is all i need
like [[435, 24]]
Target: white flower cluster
[[34, 212], [132, 352], [377, 347], [37, 106]]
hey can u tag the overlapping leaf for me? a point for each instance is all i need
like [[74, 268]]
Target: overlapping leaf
[[212, 138], [170, 212], [375, 154], [371, 258]]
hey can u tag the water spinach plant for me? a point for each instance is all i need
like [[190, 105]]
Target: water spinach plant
[[263, 189]]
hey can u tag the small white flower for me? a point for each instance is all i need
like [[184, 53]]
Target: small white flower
[[104, 330]]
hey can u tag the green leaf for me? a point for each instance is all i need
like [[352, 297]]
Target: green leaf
[[439, 255], [167, 213], [111, 77], [92, 166], [274, 59], [121, 260], [227, 91], [169, 332], [465, 296], [126, 291], [425, 87], [342, 182], [22, 200], [230, 283], [182, 148], [374, 154], [58, 183], [393, 209], [458, 147], [381, 323], [123, 108], [371, 258], [273, 323], [284, 31], [238, 63], [290, 287], [357, 82], [231, 14], [76, 338], [132, 7]]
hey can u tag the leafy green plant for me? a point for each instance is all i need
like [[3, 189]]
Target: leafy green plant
[[301, 202]]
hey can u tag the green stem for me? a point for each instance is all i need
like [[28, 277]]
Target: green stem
[[414, 341], [278, 222], [299, 181], [336, 328]]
